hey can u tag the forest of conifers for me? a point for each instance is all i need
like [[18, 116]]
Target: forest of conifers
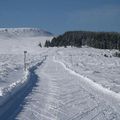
[[102, 40]]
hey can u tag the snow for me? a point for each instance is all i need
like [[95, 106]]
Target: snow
[[98, 87], [7, 91], [90, 82], [59, 84], [60, 95], [93, 64], [16, 40], [13, 43], [18, 45], [23, 32]]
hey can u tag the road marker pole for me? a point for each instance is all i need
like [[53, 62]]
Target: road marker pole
[[25, 52]]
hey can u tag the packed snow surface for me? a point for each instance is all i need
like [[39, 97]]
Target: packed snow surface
[[59, 83]]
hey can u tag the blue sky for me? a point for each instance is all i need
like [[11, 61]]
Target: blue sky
[[58, 16]]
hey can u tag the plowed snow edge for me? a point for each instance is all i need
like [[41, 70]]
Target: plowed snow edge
[[12, 104], [109, 96]]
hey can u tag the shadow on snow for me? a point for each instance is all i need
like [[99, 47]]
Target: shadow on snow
[[15, 104]]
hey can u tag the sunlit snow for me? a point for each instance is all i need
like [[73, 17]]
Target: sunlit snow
[[59, 83]]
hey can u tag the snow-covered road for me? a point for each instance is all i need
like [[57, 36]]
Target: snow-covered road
[[13, 98], [60, 95], [57, 91]]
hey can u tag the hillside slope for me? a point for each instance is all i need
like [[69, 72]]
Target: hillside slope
[[16, 40], [23, 32]]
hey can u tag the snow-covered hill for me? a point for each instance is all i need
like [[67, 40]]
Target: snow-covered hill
[[16, 40], [23, 32]]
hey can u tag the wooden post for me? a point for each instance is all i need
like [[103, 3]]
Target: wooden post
[[25, 52]]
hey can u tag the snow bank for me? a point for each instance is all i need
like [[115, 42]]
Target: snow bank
[[7, 92], [91, 82]]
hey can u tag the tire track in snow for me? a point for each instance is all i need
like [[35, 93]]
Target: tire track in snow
[[111, 97], [15, 103], [60, 96]]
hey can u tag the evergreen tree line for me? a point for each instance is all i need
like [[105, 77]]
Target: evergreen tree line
[[102, 40]]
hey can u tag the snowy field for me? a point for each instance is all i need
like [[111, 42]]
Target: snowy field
[[62, 94], [92, 63], [59, 84]]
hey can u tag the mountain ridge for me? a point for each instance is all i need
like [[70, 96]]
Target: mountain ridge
[[23, 32]]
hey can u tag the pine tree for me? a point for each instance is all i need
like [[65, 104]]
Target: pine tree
[[47, 43], [40, 45], [101, 40]]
